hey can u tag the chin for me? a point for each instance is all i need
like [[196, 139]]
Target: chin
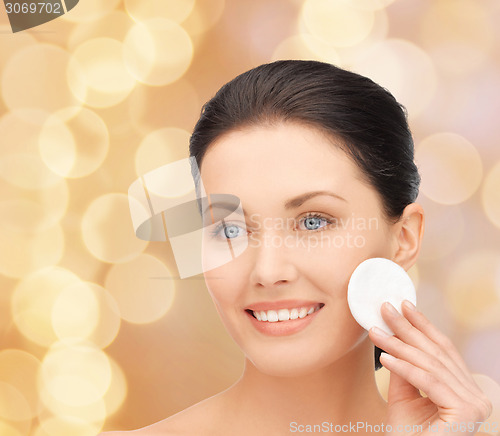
[[291, 366]]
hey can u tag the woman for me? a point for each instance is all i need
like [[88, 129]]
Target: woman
[[322, 162]]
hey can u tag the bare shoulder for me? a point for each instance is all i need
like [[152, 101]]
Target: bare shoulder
[[200, 419]]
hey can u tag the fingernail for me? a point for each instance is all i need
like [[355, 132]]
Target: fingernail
[[380, 332], [387, 356], [409, 305], [391, 309]]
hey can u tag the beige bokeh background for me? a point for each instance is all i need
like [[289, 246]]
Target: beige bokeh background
[[96, 334]]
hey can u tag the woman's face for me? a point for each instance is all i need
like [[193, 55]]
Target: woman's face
[[299, 248]]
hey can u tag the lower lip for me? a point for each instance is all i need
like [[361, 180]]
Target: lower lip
[[282, 328]]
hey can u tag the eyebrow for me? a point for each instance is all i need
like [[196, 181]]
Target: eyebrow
[[298, 201], [292, 203]]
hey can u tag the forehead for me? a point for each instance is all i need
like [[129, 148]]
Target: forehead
[[285, 156]]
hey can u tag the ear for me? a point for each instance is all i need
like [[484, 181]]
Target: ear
[[408, 234]]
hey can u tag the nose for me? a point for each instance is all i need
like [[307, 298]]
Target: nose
[[272, 261]]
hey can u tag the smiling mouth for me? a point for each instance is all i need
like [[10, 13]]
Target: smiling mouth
[[284, 314]]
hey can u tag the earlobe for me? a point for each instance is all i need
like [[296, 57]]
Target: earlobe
[[408, 235]]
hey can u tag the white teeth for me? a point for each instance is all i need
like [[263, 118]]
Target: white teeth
[[285, 314], [272, 316]]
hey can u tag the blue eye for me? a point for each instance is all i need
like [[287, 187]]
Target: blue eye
[[312, 221], [230, 231]]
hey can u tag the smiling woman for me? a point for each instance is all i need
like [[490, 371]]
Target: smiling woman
[[308, 148]]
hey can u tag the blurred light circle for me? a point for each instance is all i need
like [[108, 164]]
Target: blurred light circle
[[75, 373], [107, 229], [204, 16], [108, 321], [337, 22], [7, 286], [75, 312], [24, 170], [65, 426], [470, 289], [10, 46], [490, 195], [93, 413], [33, 299], [90, 10], [153, 108], [20, 162], [74, 147], [33, 69], [32, 210], [161, 146], [86, 310], [157, 51], [7, 429], [403, 68], [141, 288], [57, 146], [114, 25], [305, 46], [29, 251], [117, 391], [81, 262], [19, 369], [107, 80], [13, 405], [450, 167], [163, 185], [370, 5], [175, 10], [458, 35], [352, 54], [444, 230]]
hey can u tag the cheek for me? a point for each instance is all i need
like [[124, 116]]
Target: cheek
[[329, 261], [226, 287]]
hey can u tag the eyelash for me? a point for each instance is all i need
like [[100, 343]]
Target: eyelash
[[320, 216], [329, 221]]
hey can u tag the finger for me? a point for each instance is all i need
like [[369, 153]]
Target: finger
[[414, 337], [401, 390], [421, 359], [451, 405], [420, 322], [437, 391], [443, 350]]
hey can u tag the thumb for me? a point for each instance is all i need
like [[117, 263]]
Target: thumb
[[401, 390]]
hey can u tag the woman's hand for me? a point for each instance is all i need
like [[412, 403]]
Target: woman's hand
[[421, 357]]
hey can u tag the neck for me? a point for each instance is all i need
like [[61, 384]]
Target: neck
[[342, 393]]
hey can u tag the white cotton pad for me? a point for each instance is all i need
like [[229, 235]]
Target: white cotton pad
[[372, 283]]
